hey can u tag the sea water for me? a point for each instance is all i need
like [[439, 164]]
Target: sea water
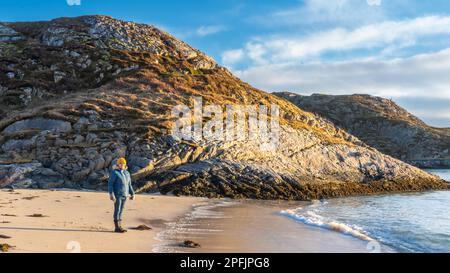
[[414, 222]]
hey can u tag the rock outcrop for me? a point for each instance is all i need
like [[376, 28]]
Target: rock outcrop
[[77, 93], [383, 125], [9, 34]]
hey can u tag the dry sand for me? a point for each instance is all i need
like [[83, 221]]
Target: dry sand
[[82, 221]]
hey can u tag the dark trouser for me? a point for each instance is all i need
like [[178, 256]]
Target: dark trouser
[[118, 208]]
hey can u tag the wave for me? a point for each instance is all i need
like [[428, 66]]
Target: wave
[[187, 226], [309, 217]]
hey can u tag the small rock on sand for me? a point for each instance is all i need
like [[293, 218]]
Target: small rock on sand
[[142, 227], [9, 215], [190, 244], [30, 197], [37, 215], [4, 236]]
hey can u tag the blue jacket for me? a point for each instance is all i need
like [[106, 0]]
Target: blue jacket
[[119, 183]]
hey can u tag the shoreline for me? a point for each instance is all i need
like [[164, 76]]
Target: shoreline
[[79, 221], [253, 226]]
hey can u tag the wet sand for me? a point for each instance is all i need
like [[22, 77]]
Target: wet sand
[[258, 227]]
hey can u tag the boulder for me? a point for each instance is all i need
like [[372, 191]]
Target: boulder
[[18, 144], [81, 124], [91, 138], [57, 36], [58, 76], [78, 139], [99, 163], [47, 178], [140, 162], [53, 125], [29, 175], [8, 34]]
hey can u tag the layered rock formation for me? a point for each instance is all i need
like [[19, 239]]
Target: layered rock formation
[[383, 125], [77, 93]]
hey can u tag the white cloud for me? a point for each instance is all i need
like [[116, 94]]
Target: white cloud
[[387, 35], [253, 51], [73, 2], [426, 113], [301, 61], [256, 52], [323, 12], [231, 57], [414, 79], [419, 76], [374, 2], [209, 30]]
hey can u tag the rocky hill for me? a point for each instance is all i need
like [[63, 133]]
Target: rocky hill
[[77, 93], [383, 125]]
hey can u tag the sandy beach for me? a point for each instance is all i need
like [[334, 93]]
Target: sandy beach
[[73, 221], [82, 221]]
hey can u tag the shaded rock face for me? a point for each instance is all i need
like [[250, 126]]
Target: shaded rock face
[[78, 93], [30, 175], [383, 125], [9, 34]]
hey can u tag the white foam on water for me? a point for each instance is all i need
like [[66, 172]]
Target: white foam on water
[[308, 217], [185, 227]]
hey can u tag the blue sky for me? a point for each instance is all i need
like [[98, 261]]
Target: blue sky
[[398, 49]]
